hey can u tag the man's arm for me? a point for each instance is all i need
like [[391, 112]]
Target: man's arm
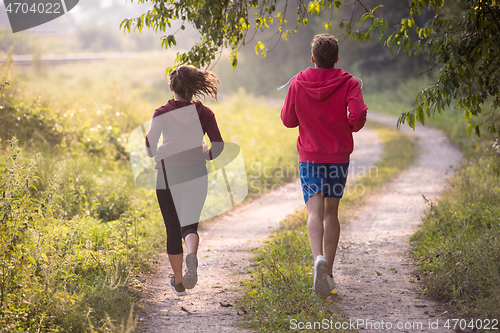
[[288, 114], [356, 106]]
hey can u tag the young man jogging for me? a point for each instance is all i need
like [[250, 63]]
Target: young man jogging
[[327, 105]]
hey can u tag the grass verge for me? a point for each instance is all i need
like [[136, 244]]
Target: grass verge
[[457, 246], [278, 293]]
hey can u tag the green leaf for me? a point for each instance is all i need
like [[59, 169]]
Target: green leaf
[[477, 130], [314, 7], [366, 16], [410, 118], [421, 115], [32, 260], [260, 46]]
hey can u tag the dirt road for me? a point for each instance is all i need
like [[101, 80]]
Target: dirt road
[[374, 241]]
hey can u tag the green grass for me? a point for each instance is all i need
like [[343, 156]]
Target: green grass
[[279, 290], [267, 148], [70, 258], [458, 244]]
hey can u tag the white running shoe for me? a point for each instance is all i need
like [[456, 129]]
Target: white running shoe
[[321, 286], [331, 282], [191, 277]]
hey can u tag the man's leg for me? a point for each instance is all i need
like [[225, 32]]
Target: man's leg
[[332, 231], [315, 208]]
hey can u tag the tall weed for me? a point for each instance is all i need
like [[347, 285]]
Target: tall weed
[[86, 189]]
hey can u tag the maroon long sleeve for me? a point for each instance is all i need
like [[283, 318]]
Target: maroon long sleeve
[[162, 125]]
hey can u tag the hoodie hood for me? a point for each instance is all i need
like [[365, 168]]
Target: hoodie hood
[[320, 83]]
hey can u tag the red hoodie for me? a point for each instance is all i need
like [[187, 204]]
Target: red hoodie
[[318, 101]]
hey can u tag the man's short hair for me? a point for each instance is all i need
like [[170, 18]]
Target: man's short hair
[[325, 50]]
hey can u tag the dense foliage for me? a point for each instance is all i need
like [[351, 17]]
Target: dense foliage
[[223, 24], [463, 40], [62, 274]]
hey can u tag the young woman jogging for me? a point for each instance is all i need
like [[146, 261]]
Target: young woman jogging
[[180, 158]]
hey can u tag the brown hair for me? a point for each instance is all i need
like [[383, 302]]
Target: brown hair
[[188, 81], [325, 50]]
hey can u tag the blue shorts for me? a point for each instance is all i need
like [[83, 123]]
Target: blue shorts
[[328, 178]]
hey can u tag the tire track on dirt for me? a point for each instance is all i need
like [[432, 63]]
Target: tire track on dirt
[[224, 257], [372, 269]]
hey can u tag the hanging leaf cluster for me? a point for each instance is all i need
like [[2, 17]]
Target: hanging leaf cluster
[[222, 24], [462, 40]]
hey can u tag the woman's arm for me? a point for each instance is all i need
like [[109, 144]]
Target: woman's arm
[[217, 144], [209, 125], [154, 134]]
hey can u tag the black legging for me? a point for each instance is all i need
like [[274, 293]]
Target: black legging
[[188, 196]]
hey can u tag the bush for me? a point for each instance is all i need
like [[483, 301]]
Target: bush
[[85, 189], [69, 274]]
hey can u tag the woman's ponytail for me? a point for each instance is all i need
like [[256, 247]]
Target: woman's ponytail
[[188, 81]]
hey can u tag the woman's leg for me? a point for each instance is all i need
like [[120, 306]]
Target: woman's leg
[[192, 199], [173, 228], [192, 239], [176, 263], [194, 194]]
